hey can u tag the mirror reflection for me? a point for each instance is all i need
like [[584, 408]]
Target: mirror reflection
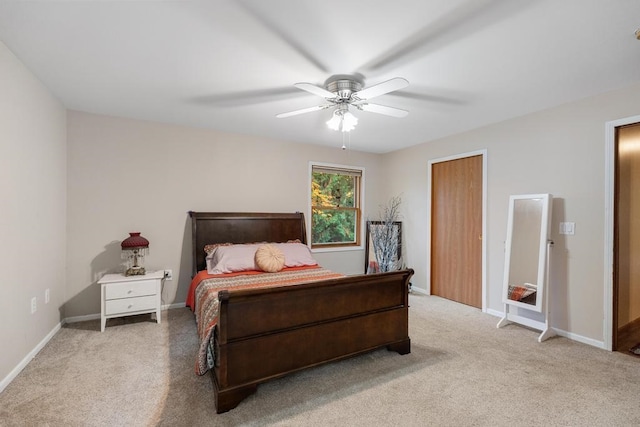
[[526, 249]]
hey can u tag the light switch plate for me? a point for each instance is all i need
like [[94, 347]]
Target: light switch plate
[[568, 228]]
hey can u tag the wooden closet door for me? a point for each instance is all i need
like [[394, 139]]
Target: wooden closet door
[[456, 230]]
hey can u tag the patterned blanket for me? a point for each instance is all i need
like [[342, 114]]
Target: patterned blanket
[[519, 293], [206, 304]]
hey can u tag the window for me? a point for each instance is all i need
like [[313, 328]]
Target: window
[[336, 198]]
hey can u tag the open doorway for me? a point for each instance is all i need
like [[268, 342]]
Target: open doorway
[[626, 238]]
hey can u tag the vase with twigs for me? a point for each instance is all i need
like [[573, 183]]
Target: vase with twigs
[[385, 238]]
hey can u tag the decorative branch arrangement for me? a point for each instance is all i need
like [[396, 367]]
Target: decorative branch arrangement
[[385, 237]]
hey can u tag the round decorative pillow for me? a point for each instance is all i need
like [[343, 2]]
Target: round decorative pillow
[[269, 258]]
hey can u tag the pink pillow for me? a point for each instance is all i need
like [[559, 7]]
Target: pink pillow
[[230, 259], [234, 258], [208, 249], [296, 254]]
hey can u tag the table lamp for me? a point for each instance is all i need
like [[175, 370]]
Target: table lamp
[[134, 249]]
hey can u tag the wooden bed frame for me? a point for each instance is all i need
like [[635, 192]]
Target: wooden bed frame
[[263, 334]]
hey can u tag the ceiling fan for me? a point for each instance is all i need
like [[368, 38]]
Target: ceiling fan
[[342, 91]]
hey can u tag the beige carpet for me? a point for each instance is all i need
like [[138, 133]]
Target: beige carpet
[[461, 371]]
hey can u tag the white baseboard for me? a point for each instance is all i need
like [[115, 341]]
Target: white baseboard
[[580, 338], [419, 290], [562, 333], [24, 362], [174, 305], [76, 319], [495, 312], [95, 316]]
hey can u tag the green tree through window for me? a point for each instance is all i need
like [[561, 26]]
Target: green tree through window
[[335, 206]]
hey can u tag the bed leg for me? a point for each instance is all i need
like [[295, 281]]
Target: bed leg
[[401, 347], [228, 399]]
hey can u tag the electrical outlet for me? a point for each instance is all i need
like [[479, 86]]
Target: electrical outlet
[[47, 296], [168, 275], [34, 305]]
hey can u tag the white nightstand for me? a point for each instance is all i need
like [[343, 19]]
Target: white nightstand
[[122, 295]]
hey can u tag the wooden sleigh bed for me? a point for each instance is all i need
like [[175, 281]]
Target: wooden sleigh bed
[[262, 334]]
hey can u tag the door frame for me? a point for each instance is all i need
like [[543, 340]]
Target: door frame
[[609, 221], [430, 164]]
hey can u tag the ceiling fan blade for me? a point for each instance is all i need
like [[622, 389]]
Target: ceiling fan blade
[[302, 111], [382, 88], [382, 109], [469, 17], [250, 97], [259, 11], [316, 90]]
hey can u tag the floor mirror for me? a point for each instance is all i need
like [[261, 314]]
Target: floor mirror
[[525, 293]]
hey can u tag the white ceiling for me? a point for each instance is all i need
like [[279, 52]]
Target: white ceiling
[[231, 65]]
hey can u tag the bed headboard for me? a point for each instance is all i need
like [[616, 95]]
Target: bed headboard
[[234, 227]]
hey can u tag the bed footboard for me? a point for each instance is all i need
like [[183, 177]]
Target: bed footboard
[[263, 334]]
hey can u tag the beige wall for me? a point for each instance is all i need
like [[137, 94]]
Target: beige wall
[[33, 212], [128, 175], [558, 151]]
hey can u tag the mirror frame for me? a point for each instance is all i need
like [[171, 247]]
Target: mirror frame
[[543, 242]]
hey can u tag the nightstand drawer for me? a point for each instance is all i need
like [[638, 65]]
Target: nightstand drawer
[[130, 305], [130, 289]]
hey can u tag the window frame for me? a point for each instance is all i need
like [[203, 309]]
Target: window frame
[[333, 247]]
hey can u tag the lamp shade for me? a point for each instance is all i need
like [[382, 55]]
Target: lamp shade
[[134, 241]]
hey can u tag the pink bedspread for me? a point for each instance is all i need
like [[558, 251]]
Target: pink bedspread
[[203, 296]]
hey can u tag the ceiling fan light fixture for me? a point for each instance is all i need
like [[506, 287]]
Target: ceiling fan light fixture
[[342, 119], [349, 122], [334, 121]]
